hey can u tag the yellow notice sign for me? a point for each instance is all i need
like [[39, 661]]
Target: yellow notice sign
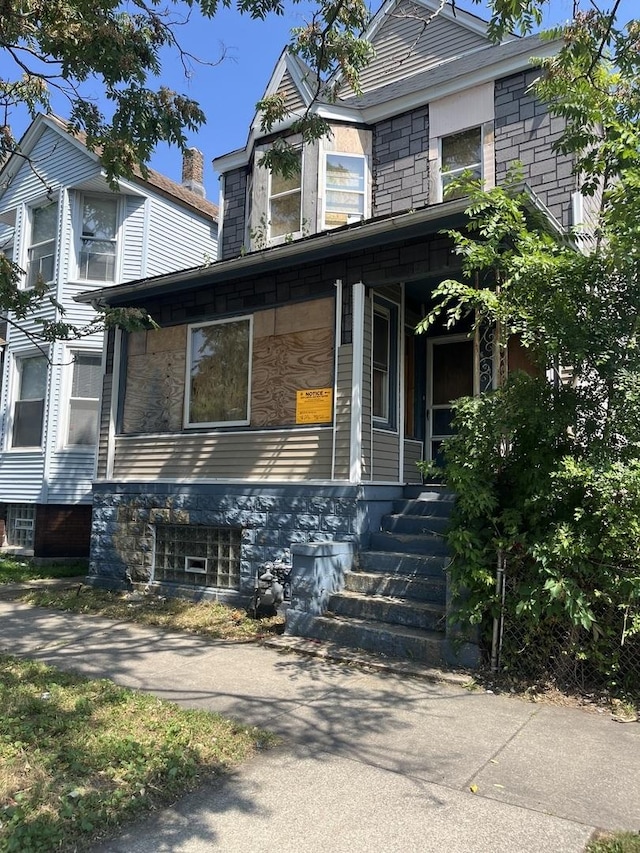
[[313, 406]]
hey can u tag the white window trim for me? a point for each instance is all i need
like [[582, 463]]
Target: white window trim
[[290, 235], [27, 230], [14, 385], [187, 391], [364, 192], [78, 220], [67, 387]]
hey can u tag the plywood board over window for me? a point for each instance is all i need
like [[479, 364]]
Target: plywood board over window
[[154, 397], [292, 351]]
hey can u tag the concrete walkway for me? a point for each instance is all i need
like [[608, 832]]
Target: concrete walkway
[[368, 762]]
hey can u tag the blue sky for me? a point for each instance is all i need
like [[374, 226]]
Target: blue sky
[[229, 90]]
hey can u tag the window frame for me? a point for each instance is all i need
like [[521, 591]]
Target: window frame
[[275, 239], [390, 311], [187, 423], [115, 240], [17, 374], [361, 193], [451, 174], [29, 245], [66, 444]]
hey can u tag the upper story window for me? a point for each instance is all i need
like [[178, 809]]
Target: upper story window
[[41, 252], [82, 428], [344, 189], [285, 203], [460, 152], [218, 378], [97, 258], [28, 409]]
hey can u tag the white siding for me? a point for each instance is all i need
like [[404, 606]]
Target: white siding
[[156, 235], [177, 239]]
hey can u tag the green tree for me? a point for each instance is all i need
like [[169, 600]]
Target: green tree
[[548, 473]]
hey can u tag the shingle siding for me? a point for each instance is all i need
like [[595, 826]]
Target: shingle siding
[[400, 163], [234, 222], [525, 132]]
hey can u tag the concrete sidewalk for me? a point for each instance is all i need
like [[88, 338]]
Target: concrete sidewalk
[[369, 762]]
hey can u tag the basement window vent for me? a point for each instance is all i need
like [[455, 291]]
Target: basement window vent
[[20, 525], [197, 555]]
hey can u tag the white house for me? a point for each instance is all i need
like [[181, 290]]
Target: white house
[[61, 222]]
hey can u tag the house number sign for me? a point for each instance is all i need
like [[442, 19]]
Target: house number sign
[[313, 405]]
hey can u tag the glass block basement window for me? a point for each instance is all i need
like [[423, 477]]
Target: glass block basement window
[[199, 556], [21, 520]]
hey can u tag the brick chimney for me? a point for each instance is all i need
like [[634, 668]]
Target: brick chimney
[[193, 171]]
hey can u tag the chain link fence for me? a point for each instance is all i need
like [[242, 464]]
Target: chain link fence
[[602, 659]]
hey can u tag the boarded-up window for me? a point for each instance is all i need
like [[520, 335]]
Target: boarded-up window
[[219, 361]]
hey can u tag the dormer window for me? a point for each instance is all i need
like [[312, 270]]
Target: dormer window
[[97, 259], [461, 152], [344, 189], [285, 203], [41, 254]]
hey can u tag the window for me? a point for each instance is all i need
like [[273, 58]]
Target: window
[[98, 245], [82, 428], [461, 152], [197, 555], [285, 199], [219, 370], [344, 189], [384, 365], [21, 519], [28, 411], [41, 254]]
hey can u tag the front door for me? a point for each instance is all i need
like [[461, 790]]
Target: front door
[[449, 376]]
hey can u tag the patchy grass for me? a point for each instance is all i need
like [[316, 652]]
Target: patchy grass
[[19, 570], [79, 757], [617, 842], [210, 619]]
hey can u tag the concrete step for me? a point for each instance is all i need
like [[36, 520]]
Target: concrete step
[[413, 588], [391, 640], [415, 525], [423, 507], [394, 611], [400, 563], [407, 543]]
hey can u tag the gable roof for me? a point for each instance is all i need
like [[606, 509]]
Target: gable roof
[[159, 183]]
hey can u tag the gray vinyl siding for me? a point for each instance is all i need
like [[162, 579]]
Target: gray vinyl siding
[[289, 91], [386, 455], [525, 132], [405, 46], [343, 413], [275, 455], [412, 454]]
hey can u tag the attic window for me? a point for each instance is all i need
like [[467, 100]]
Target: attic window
[[344, 189], [285, 202], [461, 152]]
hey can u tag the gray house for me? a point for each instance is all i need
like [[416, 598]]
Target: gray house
[[285, 400]]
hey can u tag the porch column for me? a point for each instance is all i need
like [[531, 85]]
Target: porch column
[[355, 459]]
